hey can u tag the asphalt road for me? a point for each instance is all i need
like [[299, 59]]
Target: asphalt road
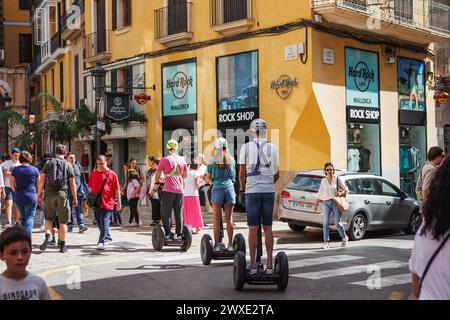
[[129, 269]]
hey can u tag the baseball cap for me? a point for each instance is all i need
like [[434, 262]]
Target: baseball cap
[[15, 150], [172, 144], [221, 143]]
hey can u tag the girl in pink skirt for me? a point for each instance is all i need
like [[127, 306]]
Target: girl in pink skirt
[[192, 212]]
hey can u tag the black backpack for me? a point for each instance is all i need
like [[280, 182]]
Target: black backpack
[[57, 173]]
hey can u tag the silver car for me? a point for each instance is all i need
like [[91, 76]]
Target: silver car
[[375, 204]]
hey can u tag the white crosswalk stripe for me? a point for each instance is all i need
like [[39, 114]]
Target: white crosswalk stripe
[[389, 281], [392, 264], [321, 260]]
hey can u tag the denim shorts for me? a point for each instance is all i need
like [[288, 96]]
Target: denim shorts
[[9, 193], [223, 196], [259, 206]]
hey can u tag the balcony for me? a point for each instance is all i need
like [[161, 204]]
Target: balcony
[[173, 24], [55, 42], [231, 16], [415, 21], [97, 47], [45, 51], [71, 25]]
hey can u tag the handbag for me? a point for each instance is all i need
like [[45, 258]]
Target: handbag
[[341, 202], [95, 200]]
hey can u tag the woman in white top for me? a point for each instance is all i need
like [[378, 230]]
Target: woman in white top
[[430, 256], [192, 213], [328, 190]]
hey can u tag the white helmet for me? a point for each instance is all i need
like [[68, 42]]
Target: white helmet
[[258, 125], [221, 143]]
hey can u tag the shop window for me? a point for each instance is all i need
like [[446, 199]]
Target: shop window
[[412, 156], [187, 143], [363, 148], [238, 81]]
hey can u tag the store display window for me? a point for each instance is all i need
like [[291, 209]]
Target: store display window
[[413, 148], [363, 148], [187, 143]]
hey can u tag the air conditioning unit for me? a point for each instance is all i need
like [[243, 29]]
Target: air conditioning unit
[[2, 54]]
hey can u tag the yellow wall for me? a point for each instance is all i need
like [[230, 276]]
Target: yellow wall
[[11, 11]]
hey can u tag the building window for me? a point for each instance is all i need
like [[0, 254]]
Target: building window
[[25, 50], [24, 4], [447, 139], [61, 81], [121, 16], [53, 82]]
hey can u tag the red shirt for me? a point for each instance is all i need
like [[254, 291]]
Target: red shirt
[[109, 191]]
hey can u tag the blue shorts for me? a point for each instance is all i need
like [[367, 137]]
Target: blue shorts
[[223, 196], [259, 205], [9, 193]]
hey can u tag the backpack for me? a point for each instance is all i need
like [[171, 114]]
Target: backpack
[[57, 174]]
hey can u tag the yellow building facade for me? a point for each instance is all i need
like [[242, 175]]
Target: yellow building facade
[[334, 80]]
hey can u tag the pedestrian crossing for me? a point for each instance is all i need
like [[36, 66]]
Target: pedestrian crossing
[[343, 265]]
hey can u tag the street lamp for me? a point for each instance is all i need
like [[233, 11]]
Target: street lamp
[[6, 103], [98, 75]]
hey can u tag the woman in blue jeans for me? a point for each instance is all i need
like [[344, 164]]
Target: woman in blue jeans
[[222, 172], [328, 190], [24, 182]]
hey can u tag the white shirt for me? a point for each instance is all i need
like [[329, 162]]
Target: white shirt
[[436, 285], [353, 160], [189, 183], [327, 191], [9, 166], [31, 288], [152, 184], [202, 170], [2, 183], [132, 185], [269, 166]]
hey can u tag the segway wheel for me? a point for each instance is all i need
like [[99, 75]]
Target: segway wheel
[[239, 270], [187, 237], [239, 243], [158, 237], [206, 249], [282, 270]]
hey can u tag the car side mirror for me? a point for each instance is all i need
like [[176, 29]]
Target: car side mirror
[[403, 195]]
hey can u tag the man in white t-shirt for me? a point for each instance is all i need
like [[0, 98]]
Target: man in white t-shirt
[[258, 172], [7, 168]]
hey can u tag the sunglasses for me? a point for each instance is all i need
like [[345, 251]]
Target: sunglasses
[[327, 170]]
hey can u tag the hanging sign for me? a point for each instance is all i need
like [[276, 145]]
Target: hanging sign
[[142, 98], [118, 105]]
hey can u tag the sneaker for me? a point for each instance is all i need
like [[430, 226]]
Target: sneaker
[[63, 249], [154, 223], [42, 228], [59, 242], [44, 245], [135, 224], [326, 245], [230, 247], [178, 237], [252, 270], [344, 241], [70, 229], [217, 247], [100, 246], [83, 229], [269, 270], [52, 242]]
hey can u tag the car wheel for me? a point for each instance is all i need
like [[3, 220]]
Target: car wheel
[[414, 223], [296, 227], [358, 227]]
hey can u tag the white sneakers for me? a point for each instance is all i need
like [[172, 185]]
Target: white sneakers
[[345, 241], [100, 246], [326, 245]]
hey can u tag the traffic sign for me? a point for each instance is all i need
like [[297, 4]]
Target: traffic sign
[[101, 126]]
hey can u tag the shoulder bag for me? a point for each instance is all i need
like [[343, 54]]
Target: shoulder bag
[[341, 202], [95, 198]]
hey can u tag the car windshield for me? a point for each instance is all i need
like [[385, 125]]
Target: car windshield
[[305, 183]]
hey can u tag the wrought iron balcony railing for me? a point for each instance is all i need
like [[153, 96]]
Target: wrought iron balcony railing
[[173, 20]]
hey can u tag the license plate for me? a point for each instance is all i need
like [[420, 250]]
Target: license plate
[[301, 205]]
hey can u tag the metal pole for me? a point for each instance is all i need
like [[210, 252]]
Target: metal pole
[[97, 132]]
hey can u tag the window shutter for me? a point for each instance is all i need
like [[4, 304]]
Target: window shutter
[[114, 80], [127, 10], [129, 79], [114, 14]]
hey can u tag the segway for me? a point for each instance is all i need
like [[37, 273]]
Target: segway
[[280, 276], [206, 246], [159, 238]]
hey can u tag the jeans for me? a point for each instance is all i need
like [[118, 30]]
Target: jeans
[[172, 201], [134, 213], [103, 218], [79, 214], [259, 207], [117, 219], [329, 207], [27, 213]]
